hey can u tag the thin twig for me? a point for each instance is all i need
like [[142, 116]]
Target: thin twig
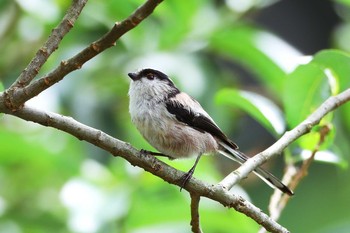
[[195, 223], [16, 97], [304, 127], [278, 202], [51, 44]]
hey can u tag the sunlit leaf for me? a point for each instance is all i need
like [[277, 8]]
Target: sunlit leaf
[[310, 85], [338, 63], [177, 19], [311, 140], [324, 156], [258, 107], [345, 2], [243, 45], [306, 88]]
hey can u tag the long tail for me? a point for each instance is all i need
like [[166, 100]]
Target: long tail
[[266, 176]]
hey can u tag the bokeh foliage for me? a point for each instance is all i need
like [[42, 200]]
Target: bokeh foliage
[[52, 182]]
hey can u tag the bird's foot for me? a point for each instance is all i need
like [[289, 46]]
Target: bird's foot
[[155, 153], [186, 177]]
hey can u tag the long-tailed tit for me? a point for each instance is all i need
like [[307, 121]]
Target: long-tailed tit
[[177, 126]]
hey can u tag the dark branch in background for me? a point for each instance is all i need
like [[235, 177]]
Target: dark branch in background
[[50, 45], [16, 97], [195, 223]]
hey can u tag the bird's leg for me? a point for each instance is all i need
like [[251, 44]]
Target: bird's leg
[[156, 154], [185, 178]]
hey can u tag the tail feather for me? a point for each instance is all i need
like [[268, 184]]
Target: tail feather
[[266, 176]]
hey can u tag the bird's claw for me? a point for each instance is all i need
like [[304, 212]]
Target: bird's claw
[[186, 177], [154, 153]]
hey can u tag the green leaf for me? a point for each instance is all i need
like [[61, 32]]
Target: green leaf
[[345, 115], [176, 21], [324, 156], [305, 89], [345, 2], [310, 85], [258, 107], [338, 63], [311, 140], [242, 44]]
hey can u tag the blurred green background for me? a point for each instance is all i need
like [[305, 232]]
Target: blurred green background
[[258, 67]]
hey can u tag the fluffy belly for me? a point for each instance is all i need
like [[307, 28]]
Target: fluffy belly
[[176, 140]]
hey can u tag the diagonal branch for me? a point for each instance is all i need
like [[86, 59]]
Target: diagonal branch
[[145, 161], [16, 97], [278, 202], [304, 127], [294, 175], [51, 44]]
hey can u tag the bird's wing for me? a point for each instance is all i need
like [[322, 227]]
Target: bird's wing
[[195, 117]]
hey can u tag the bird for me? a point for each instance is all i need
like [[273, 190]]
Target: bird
[[177, 126]]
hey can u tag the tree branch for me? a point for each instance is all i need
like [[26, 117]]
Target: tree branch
[[51, 44], [278, 201], [147, 162], [16, 97], [304, 127], [195, 223]]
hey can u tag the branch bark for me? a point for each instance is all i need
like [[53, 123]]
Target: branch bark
[[50, 45], [294, 175], [195, 223]]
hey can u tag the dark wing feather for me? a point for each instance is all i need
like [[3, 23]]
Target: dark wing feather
[[197, 121]]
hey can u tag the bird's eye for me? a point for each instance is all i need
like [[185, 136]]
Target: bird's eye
[[150, 76]]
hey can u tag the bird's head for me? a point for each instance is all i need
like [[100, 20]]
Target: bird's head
[[151, 83]]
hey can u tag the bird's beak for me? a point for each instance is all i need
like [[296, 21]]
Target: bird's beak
[[133, 76]]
